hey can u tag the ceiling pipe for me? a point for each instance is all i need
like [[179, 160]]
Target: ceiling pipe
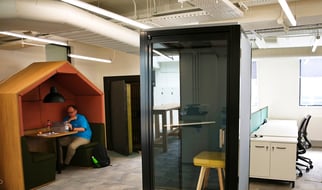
[[154, 7], [135, 14], [59, 12]]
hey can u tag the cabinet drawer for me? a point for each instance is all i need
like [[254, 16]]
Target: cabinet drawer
[[259, 159], [283, 161]]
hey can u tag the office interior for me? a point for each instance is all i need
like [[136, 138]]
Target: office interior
[[277, 67]]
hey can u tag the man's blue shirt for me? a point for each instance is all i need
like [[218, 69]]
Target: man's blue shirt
[[81, 121]]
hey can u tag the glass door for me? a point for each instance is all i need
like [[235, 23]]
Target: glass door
[[190, 88], [190, 84]]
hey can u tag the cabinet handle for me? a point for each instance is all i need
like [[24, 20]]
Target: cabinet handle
[[281, 148], [257, 146]]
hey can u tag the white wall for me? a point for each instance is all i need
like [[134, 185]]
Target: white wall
[[122, 63], [166, 90], [12, 61], [278, 80]]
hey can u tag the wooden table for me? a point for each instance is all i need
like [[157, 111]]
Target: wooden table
[[162, 110], [55, 135]]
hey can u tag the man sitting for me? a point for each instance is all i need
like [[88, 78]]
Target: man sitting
[[76, 122]]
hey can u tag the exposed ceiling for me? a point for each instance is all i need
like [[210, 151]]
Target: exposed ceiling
[[263, 21]]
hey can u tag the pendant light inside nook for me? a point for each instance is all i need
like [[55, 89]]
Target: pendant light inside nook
[[53, 96]]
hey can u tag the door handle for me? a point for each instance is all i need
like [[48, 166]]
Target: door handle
[[190, 124], [221, 138]]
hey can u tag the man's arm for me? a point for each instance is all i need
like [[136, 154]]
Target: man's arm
[[83, 124]]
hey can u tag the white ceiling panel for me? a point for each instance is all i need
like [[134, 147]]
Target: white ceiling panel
[[91, 38], [260, 16]]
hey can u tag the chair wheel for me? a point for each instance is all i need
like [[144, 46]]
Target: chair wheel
[[307, 169], [311, 166], [300, 174]]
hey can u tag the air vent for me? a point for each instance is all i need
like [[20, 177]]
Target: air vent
[[219, 9], [195, 17], [257, 2]]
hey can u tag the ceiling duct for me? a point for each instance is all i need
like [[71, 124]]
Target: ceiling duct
[[219, 9], [59, 13]]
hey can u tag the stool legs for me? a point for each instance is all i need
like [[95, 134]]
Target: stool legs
[[205, 181], [220, 179], [203, 178]]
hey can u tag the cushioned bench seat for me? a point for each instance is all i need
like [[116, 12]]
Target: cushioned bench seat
[[39, 167], [83, 153]]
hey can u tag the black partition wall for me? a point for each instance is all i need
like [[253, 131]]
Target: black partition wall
[[202, 72]]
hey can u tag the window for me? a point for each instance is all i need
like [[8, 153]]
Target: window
[[311, 82]]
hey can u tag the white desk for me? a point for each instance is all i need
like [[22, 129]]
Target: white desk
[[278, 128], [273, 151], [280, 122]]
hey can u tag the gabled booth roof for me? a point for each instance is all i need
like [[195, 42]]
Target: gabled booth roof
[[37, 73], [22, 109]]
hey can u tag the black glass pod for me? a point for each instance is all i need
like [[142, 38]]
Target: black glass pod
[[195, 97]]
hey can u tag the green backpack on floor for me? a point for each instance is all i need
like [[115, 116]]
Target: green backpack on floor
[[99, 157]]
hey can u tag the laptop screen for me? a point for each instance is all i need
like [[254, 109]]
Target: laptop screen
[[58, 126]]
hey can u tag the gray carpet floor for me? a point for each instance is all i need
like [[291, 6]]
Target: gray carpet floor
[[125, 174]]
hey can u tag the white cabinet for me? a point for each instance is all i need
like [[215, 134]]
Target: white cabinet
[[259, 159], [283, 161], [273, 158]]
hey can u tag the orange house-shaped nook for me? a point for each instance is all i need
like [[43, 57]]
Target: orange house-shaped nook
[[22, 109]]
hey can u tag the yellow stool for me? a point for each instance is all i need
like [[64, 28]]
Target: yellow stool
[[209, 160]]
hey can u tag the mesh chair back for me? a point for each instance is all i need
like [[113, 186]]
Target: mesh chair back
[[301, 129], [300, 148], [306, 141]]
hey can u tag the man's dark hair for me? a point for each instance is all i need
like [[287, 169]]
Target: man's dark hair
[[72, 106]]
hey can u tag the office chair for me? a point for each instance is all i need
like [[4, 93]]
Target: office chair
[[306, 143], [300, 148], [302, 145]]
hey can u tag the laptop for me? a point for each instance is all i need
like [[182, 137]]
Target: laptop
[[58, 127]]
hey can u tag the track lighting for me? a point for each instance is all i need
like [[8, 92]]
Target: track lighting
[[316, 43]]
